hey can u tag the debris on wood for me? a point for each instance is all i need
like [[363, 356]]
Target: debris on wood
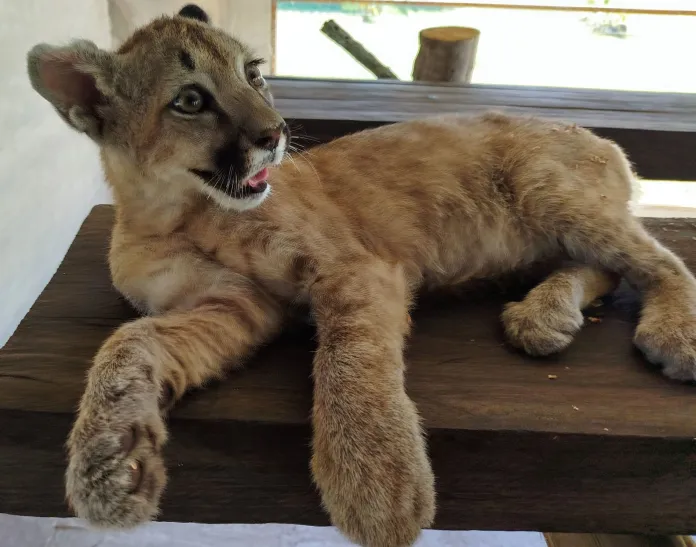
[[332, 29], [446, 54], [552, 377], [575, 408]]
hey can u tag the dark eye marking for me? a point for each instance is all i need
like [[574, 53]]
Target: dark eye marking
[[186, 60]]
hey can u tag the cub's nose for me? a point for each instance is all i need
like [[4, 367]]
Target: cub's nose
[[270, 138]]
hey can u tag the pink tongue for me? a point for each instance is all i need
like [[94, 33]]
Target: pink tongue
[[258, 178]]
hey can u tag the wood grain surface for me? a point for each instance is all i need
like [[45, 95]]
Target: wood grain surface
[[616, 540], [607, 446]]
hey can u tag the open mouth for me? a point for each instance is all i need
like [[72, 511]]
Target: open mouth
[[257, 184]]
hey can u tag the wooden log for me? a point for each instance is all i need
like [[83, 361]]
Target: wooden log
[[334, 31], [446, 54]]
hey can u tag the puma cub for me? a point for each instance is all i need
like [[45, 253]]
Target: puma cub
[[217, 239]]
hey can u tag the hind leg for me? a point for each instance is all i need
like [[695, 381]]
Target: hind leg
[[666, 332], [546, 321]]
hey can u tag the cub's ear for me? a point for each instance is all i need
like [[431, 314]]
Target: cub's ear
[[77, 81], [192, 11]]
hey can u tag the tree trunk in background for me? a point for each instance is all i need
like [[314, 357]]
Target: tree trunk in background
[[447, 54], [334, 31]]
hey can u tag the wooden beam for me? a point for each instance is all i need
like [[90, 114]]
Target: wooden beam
[[657, 130], [616, 540], [606, 447]]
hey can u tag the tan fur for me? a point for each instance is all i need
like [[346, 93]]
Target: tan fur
[[353, 229]]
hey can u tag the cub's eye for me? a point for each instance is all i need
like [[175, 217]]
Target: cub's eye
[[254, 76], [190, 100]]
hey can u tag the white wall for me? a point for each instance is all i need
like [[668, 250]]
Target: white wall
[[49, 174]]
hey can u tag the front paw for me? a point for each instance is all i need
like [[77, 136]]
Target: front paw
[[541, 327], [668, 339], [376, 482], [116, 475]]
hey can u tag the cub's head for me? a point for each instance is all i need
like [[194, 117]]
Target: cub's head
[[181, 106]]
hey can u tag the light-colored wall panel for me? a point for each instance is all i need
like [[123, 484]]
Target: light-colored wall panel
[[49, 174], [248, 20]]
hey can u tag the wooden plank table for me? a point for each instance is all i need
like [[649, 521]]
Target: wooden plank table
[[657, 130], [608, 446]]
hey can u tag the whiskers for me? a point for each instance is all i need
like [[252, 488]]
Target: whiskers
[[299, 150], [290, 157], [298, 133], [229, 180], [223, 182], [213, 182]]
